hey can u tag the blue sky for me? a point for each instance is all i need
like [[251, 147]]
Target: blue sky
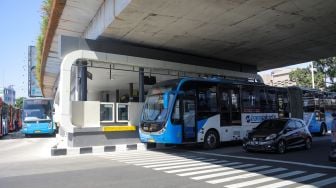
[[20, 26]]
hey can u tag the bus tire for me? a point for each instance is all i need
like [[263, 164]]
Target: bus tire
[[323, 130], [211, 139]]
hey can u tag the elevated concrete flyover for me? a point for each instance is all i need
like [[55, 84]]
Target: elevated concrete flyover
[[240, 36], [264, 34]]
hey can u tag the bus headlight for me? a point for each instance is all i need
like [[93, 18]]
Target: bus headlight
[[50, 125]]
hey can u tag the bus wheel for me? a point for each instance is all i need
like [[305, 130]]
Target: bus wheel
[[211, 139], [281, 149], [323, 130]]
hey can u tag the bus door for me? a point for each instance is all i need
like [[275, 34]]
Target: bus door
[[229, 102], [189, 119]]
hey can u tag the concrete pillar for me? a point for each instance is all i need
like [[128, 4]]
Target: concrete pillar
[[117, 95], [130, 92], [83, 80], [141, 85]]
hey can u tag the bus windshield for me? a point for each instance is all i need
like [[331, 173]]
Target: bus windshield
[[38, 109], [156, 107]]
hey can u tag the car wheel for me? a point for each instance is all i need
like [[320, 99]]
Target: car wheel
[[281, 149], [323, 130], [211, 140], [308, 143]]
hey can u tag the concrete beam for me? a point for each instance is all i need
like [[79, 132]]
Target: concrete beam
[[107, 13], [69, 44]]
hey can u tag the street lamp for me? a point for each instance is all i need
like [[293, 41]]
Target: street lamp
[[312, 72]]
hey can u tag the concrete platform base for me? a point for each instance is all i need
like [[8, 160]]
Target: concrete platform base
[[103, 149], [96, 136]]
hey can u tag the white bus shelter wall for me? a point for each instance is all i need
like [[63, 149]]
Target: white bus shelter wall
[[64, 85], [86, 113], [72, 57], [134, 113]]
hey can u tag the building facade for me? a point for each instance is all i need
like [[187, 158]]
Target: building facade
[[8, 95], [279, 77]]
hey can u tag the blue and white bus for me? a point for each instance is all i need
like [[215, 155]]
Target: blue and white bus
[[318, 107], [37, 117], [209, 111]]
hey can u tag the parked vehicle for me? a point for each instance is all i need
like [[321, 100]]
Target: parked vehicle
[[278, 135], [318, 107], [210, 111], [37, 117]]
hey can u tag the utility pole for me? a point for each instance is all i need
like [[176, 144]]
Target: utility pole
[[312, 72]]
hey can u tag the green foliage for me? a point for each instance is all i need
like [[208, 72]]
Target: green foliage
[[19, 102], [328, 67], [325, 71], [45, 14], [303, 78]]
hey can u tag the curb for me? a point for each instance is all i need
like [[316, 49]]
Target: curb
[[105, 149]]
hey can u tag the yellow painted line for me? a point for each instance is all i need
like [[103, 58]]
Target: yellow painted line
[[117, 128]]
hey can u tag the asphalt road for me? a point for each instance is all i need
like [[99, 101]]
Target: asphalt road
[[25, 163]]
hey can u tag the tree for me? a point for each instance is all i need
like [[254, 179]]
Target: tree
[[303, 78], [328, 67], [19, 102]]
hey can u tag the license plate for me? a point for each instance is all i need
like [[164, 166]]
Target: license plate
[[37, 131], [256, 142]]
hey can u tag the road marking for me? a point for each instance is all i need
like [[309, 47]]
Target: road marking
[[267, 160], [186, 165], [231, 172], [149, 158], [154, 159], [216, 170], [161, 159], [135, 155], [220, 171], [320, 183], [162, 162], [293, 181], [248, 175], [224, 163], [179, 163], [261, 180]]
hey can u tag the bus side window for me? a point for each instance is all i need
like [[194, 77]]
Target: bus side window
[[207, 98], [224, 102], [250, 99], [271, 100], [176, 113], [283, 103]]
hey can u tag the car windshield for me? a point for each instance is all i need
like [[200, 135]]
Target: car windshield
[[278, 124]]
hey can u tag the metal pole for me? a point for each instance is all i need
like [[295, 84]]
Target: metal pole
[[130, 92], [83, 80], [141, 85], [117, 95], [312, 72]]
